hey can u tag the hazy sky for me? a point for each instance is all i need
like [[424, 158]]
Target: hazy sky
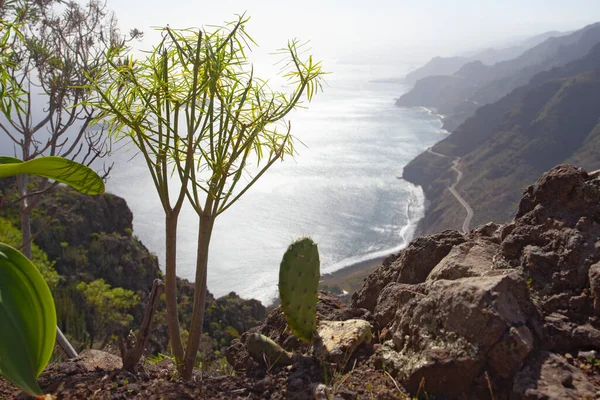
[[384, 31]]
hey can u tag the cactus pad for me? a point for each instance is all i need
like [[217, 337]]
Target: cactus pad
[[299, 275], [260, 346]]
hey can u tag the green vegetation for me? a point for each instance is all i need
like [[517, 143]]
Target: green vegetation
[[59, 169], [107, 309], [195, 111], [260, 346], [51, 53], [27, 313], [96, 244], [299, 275], [12, 237], [28, 320]]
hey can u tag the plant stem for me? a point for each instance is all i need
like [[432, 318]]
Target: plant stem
[[200, 292], [171, 220], [64, 344], [132, 356]]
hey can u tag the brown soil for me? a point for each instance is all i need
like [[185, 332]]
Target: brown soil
[[69, 380]]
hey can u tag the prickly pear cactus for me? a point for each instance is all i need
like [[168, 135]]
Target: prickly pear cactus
[[299, 275]]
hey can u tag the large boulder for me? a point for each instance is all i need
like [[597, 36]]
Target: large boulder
[[412, 265], [458, 328]]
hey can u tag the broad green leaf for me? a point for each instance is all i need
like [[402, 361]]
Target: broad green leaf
[[76, 175], [27, 318], [9, 160]]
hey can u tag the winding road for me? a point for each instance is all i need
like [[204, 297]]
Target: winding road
[[455, 163]]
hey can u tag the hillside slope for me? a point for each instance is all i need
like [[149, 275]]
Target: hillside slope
[[552, 120]]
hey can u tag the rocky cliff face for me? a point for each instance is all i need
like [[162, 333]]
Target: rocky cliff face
[[506, 309], [508, 144], [505, 301], [91, 237]]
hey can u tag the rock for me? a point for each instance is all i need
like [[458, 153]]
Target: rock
[[586, 336], [423, 254], [336, 341], [390, 299], [439, 336], [594, 277], [549, 376], [319, 391], [96, 359], [473, 258], [565, 192], [509, 354], [412, 265], [238, 357], [489, 230], [492, 309], [587, 355], [443, 370]]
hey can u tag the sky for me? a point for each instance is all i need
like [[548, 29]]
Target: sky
[[376, 31]]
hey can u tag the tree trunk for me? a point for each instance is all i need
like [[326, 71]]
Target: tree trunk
[[171, 286], [200, 292]]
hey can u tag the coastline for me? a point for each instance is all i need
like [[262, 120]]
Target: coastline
[[350, 277]]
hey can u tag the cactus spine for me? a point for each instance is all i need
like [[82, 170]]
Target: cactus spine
[[299, 275]]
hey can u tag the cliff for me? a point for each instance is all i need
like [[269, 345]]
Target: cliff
[[505, 145], [502, 309], [91, 237]]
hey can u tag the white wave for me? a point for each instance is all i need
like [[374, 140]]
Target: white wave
[[414, 212]]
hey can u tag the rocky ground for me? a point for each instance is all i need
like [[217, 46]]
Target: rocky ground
[[505, 312]]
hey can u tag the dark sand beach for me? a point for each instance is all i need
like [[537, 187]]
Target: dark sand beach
[[350, 278]]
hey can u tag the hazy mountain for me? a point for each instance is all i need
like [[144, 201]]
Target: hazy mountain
[[476, 84], [436, 66], [495, 55], [450, 65], [554, 119]]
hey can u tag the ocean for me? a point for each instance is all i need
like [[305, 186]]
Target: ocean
[[343, 188]]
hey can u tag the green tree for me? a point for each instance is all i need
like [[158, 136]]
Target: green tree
[[58, 44], [195, 110], [11, 236], [107, 310]]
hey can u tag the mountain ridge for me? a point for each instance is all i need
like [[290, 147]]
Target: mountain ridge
[[458, 96], [450, 65], [506, 144]]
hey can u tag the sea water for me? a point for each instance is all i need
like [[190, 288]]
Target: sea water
[[343, 189]]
